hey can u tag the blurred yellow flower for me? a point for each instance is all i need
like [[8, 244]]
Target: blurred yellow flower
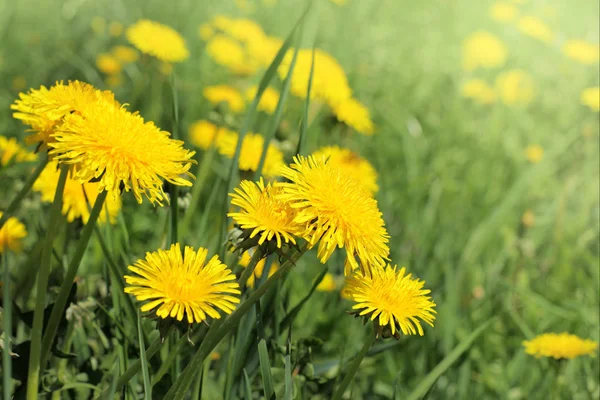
[[225, 94], [241, 29], [536, 28], [336, 211], [478, 90], [116, 29], [327, 284], [231, 54], [108, 64], [114, 81], [19, 83], [264, 49], [98, 25], [354, 114], [183, 284], [350, 163], [125, 54], [252, 148], [202, 133], [77, 197], [11, 235], [591, 98], [205, 31], [392, 299], [559, 345], [483, 50], [534, 153], [515, 87], [258, 270], [158, 40], [268, 101], [503, 12], [581, 51], [528, 219], [11, 150]]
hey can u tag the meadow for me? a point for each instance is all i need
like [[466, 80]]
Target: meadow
[[456, 139]]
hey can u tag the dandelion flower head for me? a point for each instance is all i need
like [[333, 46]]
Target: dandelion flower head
[[393, 299], [158, 40], [534, 153], [536, 28], [479, 90], [327, 284], [108, 64], [559, 345], [515, 87], [503, 12], [350, 163], [11, 150], [225, 94], [483, 50], [591, 97], [582, 51], [258, 270], [251, 152], [183, 284], [353, 113], [231, 54], [11, 235], [268, 101], [125, 54], [203, 133]]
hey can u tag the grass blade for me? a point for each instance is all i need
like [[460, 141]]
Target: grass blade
[[265, 369], [288, 378], [289, 318], [144, 361], [247, 386], [304, 123], [7, 327]]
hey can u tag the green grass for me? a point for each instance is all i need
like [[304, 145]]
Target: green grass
[[454, 185]]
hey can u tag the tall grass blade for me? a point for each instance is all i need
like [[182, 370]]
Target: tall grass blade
[[144, 361], [265, 369]]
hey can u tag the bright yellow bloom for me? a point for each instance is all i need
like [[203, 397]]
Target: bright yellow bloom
[[11, 234], [354, 114], [125, 54], [268, 101], [11, 150], [45, 109], [483, 50], [515, 87], [231, 54], [327, 284], [183, 285], [503, 12], [392, 299], [158, 40], [202, 133], [478, 90], [121, 151], [559, 345], [108, 64], [116, 29], [258, 270], [264, 49], [242, 29], [76, 196], [263, 214], [350, 163], [251, 152], [591, 98], [581, 51], [535, 28], [534, 153], [225, 94], [205, 31], [336, 211]]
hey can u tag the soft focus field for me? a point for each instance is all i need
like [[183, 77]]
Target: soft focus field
[[494, 205]]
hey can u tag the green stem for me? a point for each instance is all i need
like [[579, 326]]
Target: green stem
[[16, 201], [65, 288], [256, 257], [369, 340], [174, 188], [33, 375], [219, 330], [7, 326]]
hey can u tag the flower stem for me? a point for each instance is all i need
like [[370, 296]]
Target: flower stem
[[7, 326], [220, 329], [174, 188], [369, 340], [33, 375], [16, 201], [65, 288]]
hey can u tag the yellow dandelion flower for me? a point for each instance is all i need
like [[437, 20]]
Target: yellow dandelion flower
[[478, 90], [121, 151], [125, 54], [534, 153], [582, 51], [206, 31], [222, 22], [258, 270], [264, 49], [536, 28], [225, 94], [251, 151], [392, 299], [11, 150], [244, 30], [45, 109], [263, 214], [230, 53], [108, 64], [503, 12], [483, 50], [591, 97], [268, 101], [19, 83], [76, 196], [158, 40], [515, 87], [353, 113], [336, 211], [185, 284], [350, 163], [203, 133], [116, 29], [11, 235], [327, 284], [559, 345]]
